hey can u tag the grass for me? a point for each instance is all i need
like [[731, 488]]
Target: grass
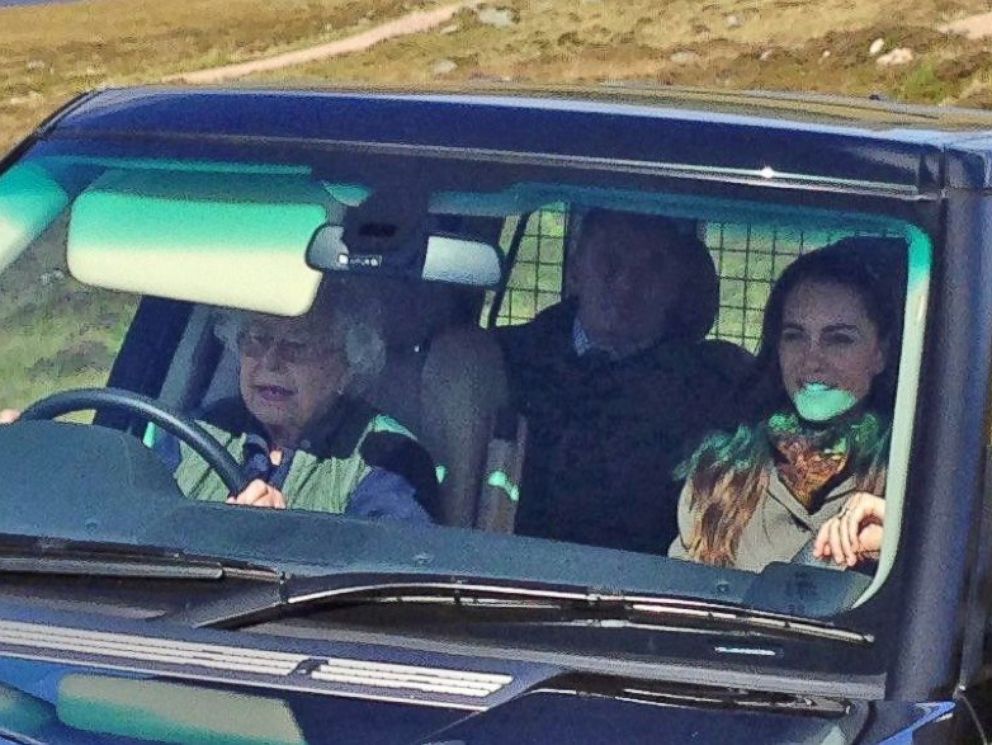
[[43, 352], [771, 44], [55, 333], [83, 45]]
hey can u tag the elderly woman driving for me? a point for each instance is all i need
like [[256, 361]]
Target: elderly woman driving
[[306, 442], [821, 411]]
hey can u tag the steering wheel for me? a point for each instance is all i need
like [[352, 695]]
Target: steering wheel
[[172, 421]]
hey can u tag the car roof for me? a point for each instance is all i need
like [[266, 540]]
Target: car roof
[[847, 143]]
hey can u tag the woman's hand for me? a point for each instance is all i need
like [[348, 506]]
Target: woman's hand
[[853, 534], [260, 494], [9, 416]]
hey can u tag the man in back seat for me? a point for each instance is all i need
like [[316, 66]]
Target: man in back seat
[[617, 384]]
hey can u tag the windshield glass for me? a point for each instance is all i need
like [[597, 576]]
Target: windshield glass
[[553, 376]]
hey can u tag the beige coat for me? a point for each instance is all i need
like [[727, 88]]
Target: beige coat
[[780, 527]]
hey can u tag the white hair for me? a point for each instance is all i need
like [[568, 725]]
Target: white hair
[[355, 324]]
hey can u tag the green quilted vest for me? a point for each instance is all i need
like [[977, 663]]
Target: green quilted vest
[[324, 485]]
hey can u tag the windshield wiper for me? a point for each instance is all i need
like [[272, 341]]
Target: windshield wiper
[[515, 602], [34, 555]]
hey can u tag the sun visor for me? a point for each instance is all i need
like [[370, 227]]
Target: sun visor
[[228, 239], [30, 199]]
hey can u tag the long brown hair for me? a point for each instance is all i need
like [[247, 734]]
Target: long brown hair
[[728, 474]]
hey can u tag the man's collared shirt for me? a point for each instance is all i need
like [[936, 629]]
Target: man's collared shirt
[[580, 339], [583, 345]]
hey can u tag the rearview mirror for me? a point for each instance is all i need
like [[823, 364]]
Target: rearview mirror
[[442, 259]]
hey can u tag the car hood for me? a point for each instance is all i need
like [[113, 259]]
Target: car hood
[[62, 684]]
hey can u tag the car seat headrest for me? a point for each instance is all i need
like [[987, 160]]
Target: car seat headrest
[[695, 309]]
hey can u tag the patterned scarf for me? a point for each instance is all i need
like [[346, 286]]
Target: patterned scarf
[[808, 459]]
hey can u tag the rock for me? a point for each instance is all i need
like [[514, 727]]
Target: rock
[[766, 55], [31, 97], [734, 21], [685, 58], [444, 66], [876, 47], [973, 27], [449, 29], [900, 56], [826, 54], [496, 17]]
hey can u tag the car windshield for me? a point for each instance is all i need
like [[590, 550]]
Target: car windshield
[[530, 374]]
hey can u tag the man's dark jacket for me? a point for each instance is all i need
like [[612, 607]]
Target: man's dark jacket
[[605, 435]]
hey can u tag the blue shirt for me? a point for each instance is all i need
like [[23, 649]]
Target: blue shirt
[[583, 345]]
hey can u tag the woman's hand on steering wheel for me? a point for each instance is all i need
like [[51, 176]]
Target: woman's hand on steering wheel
[[853, 534], [174, 422], [256, 494], [259, 494]]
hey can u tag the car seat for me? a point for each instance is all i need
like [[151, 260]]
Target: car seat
[[444, 380]]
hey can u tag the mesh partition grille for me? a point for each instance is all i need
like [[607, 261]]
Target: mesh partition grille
[[749, 258], [537, 276]]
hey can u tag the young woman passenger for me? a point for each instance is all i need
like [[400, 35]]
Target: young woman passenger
[[816, 441]]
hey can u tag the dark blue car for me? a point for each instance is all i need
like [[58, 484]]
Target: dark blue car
[[197, 265]]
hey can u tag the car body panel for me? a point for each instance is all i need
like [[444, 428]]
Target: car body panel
[[609, 135], [897, 155], [44, 701]]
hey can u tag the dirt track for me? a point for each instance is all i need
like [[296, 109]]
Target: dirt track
[[412, 23], [974, 27], [977, 26]]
